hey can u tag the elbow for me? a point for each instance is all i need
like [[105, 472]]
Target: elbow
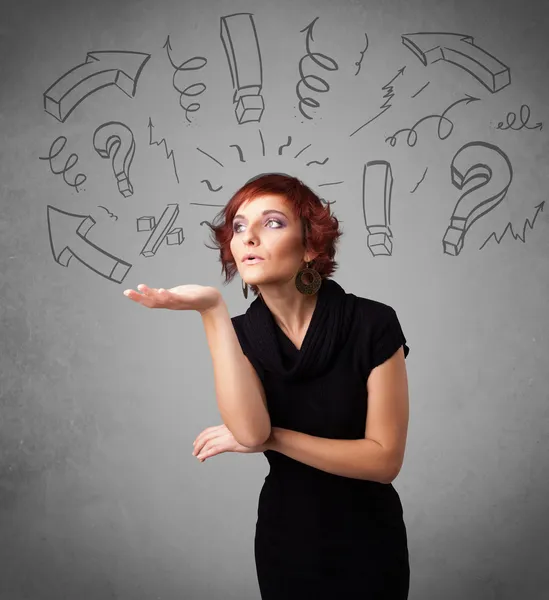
[[391, 471], [257, 438]]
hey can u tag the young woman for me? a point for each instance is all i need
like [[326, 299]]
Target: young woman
[[315, 378]]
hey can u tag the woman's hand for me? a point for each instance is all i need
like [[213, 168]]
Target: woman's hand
[[218, 439], [183, 297]]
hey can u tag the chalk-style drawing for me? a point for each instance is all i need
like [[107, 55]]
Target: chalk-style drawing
[[210, 156], [358, 64], [323, 61], [459, 49], [539, 208], [318, 162], [420, 181], [474, 162], [158, 143], [68, 234], [262, 142], [239, 38], [377, 187], [524, 118], [420, 90], [281, 147], [115, 140], [330, 183], [101, 69], [210, 187], [71, 161], [411, 138], [195, 89], [239, 150], [111, 215], [302, 150], [389, 95], [163, 230]]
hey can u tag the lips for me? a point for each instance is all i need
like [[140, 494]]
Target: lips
[[248, 258]]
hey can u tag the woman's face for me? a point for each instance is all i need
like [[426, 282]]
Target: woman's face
[[267, 228]]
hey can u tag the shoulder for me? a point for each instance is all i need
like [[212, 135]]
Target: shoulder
[[373, 312]]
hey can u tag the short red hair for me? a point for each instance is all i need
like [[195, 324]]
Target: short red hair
[[320, 227]]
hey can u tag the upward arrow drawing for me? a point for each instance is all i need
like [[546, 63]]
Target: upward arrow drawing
[[101, 69]]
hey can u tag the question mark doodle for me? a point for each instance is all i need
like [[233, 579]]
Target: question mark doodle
[[483, 161], [115, 140], [377, 187]]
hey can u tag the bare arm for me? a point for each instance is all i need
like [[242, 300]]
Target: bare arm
[[239, 391]]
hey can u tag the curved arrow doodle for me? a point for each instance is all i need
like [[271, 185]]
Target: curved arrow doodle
[[101, 69], [115, 140], [460, 50], [476, 161], [68, 237]]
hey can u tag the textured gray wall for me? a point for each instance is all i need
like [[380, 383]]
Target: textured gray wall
[[101, 399]]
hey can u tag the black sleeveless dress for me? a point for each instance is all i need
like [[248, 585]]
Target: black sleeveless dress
[[319, 535]]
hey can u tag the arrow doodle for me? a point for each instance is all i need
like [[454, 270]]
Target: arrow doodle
[[101, 69], [163, 141]]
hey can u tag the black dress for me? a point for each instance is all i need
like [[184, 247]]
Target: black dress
[[319, 535]]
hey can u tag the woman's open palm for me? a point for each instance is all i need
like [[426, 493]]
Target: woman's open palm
[[183, 297]]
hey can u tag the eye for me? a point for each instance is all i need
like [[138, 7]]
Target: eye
[[276, 221], [272, 219]]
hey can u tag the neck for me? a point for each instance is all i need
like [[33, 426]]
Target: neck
[[291, 309]]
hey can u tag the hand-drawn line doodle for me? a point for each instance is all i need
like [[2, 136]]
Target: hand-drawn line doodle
[[411, 138], [459, 49], [101, 69], [169, 154], [71, 161], [509, 227], [111, 215], [281, 147], [323, 61], [475, 161], [212, 189], [262, 142], [302, 150], [389, 95], [161, 231], [239, 150], [420, 90], [195, 89], [377, 186], [318, 162], [210, 156], [330, 183], [524, 118], [239, 38], [420, 181], [68, 237], [115, 140], [358, 64]]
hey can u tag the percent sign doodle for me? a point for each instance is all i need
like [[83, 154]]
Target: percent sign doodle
[[239, 38], [476, 161], [115, 140], [377, 186]]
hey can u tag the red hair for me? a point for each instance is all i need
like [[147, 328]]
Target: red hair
[[320, 227]]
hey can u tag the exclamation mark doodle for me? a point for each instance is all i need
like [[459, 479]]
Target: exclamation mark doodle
[[239, 38], [377, 185]]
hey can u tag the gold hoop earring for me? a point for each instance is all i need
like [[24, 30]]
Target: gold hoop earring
[[308, 287], [245, 289]]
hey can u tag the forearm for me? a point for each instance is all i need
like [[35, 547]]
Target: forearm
[[358, 459], [239, 393]]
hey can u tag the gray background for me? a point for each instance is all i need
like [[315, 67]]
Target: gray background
[[100, 399]]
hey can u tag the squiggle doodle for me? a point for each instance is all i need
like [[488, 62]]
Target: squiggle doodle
[[212, 189], [509, 227], [411, 139], [239, 150], [163, 141], [280, 148], [79, 178], [359, 62], [524, 118], [112, 215], [195, 89], [317, 162], [389, 89], [420, 181], [322, 61]]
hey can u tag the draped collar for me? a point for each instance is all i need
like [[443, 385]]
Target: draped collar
[[327, 332]]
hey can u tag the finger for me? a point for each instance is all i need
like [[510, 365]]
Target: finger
[[139, 298], [206, 432]]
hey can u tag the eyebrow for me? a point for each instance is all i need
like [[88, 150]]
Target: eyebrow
[[265, 212]]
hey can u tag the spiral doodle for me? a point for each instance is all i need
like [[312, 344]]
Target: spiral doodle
[[69, 163], [323, 61], [195, 89], [524, 118]]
